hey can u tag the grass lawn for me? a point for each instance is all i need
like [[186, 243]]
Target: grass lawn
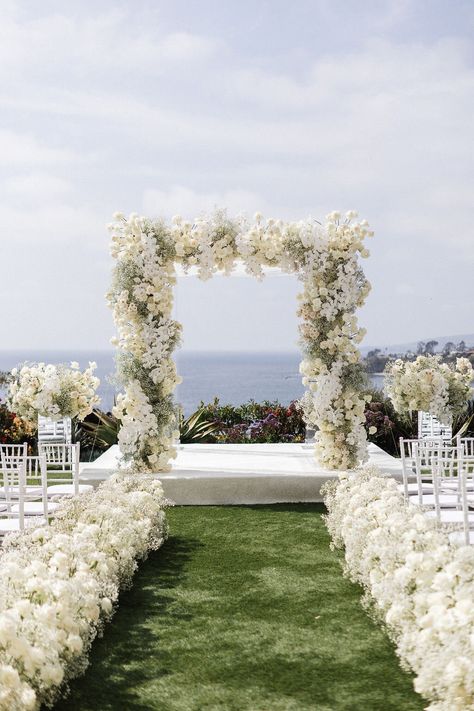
[[244, 608]]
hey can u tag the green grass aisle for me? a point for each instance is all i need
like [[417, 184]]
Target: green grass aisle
[[243, 609]]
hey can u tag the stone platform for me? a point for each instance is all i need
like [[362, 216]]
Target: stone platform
[[206, 474]]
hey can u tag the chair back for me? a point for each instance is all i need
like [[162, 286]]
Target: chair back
[[23, 479], [59, 431], [14, 450], [466, 445], [430, 427], [421, 451], [433, 458], [466, 477], [62, 463], [13, 472]]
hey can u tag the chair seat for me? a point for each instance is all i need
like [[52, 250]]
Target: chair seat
[[450, 516], [454, 486], [68, 489], [34, 508], [447, 500], [459, 538], [13, 491], [413, 488], [11, 525]]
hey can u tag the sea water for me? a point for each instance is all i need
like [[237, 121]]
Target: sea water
[[232, 377]]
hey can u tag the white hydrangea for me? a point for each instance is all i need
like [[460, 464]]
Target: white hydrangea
[[429, 385], [54, 391]]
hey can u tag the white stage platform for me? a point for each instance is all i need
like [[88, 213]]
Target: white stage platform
[[206, 474]]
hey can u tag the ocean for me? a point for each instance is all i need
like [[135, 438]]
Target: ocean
[[232, 377]]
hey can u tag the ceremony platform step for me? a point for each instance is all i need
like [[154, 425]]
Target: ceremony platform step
[[241, 473]]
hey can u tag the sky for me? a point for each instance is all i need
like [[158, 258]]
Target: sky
[[291, 109]]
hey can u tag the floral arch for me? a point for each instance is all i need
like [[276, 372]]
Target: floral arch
[[325, 257]]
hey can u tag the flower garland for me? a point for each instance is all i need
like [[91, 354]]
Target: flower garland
[[429, 385], [53, 391], [417, 583], [326, 260], [59, 584]]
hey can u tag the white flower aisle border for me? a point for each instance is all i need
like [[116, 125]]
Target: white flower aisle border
[[59, 584], [418, 584], [429, 385], [325, 257]]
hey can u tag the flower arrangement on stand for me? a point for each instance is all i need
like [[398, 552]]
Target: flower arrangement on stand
[[418, 584], [429, 385], [53, 391], [325, 257], [60, 583]]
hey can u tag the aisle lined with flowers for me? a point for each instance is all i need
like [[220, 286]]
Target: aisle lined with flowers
[[59, 584], [416, 583], [243, 609]]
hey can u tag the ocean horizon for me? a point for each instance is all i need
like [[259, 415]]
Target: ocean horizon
[[233, 377]]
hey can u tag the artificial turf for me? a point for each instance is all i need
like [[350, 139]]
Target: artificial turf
[[244, 608]]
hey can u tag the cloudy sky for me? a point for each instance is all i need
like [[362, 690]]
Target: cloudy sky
[[293, 109]]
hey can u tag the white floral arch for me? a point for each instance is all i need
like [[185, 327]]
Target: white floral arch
[[325, 257]]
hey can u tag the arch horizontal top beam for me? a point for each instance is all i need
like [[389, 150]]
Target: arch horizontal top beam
[[238, 271]]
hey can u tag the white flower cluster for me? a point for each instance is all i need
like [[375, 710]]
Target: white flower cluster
[[429, 385], [325, 258], [59, 583], [54, 391], [418, 584]]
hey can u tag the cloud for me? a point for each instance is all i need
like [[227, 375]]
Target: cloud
[[37, 187], [98, 42], [162, 112], [184, 46], [189, 203], [56, 226], [404, 289], [17, 149]]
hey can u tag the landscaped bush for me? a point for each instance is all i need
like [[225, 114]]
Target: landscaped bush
[[463, 423], [14, 429], [96, 432], [269, 421], [389, 425]]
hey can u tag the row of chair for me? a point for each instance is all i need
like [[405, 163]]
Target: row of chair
[[31, 487], [438, 477]]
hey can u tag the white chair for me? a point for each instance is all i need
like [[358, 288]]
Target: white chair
[[54, 431], [18, 450], [409, 448], [432, 462], [429, 427], [19, 511], [466, 446], [407, 454], [447, 479], [466, 478], [62, 463], [36, 471]]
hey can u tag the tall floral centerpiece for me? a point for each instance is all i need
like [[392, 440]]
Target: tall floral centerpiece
[[53, 391], [429, 385], [325, 257]]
